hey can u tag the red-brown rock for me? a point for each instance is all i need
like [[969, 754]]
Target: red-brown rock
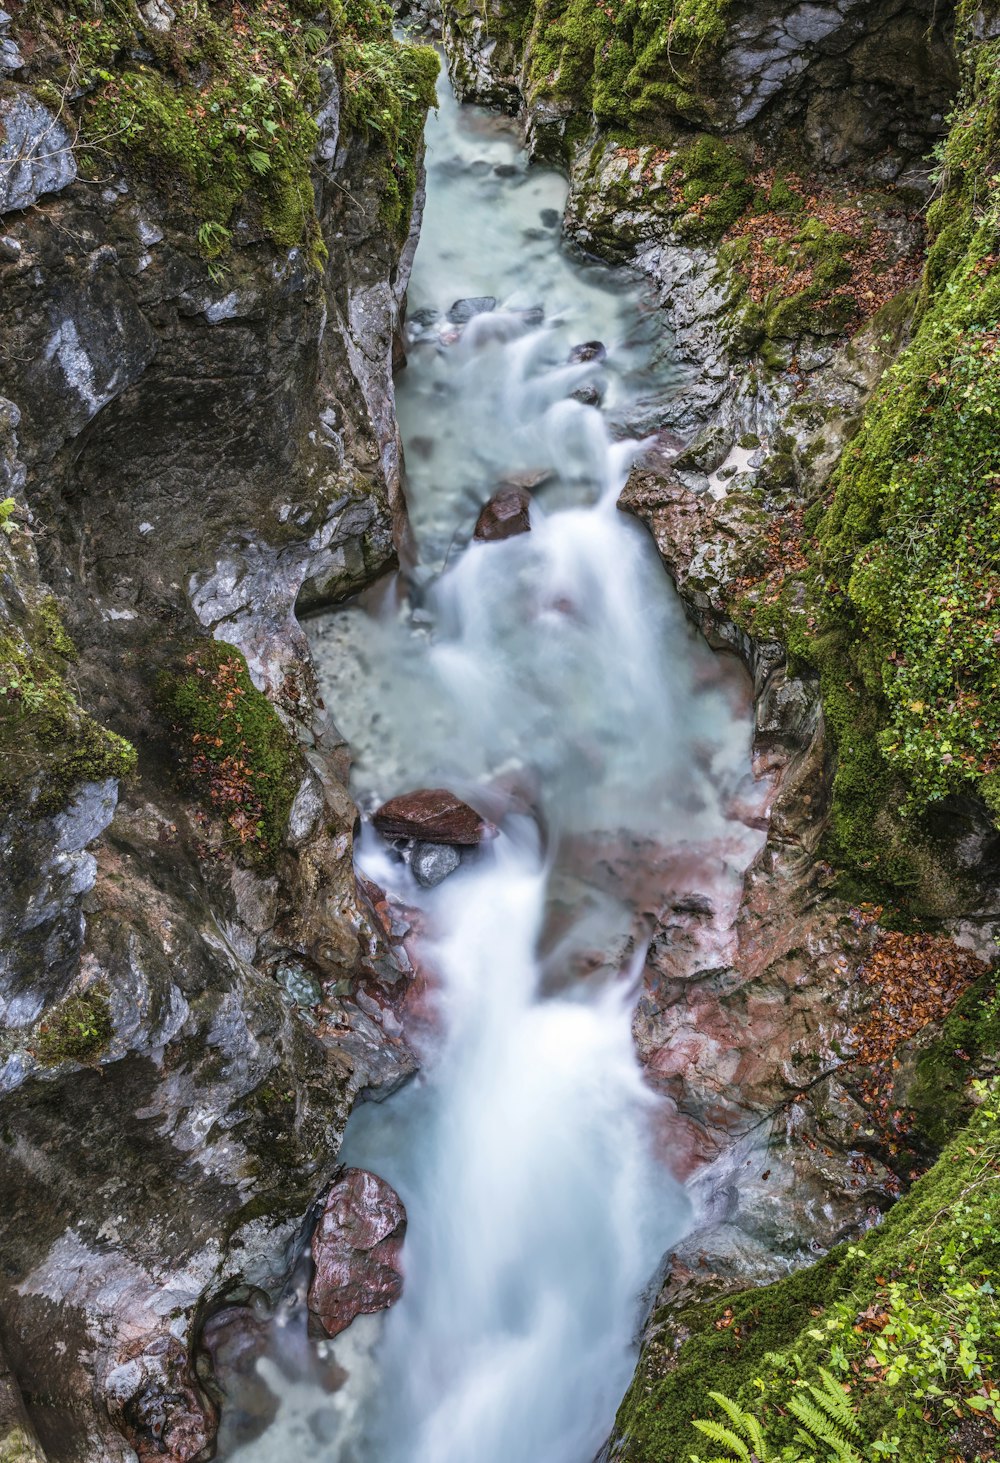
[[433, 815], [507, 513], [356, 1250]]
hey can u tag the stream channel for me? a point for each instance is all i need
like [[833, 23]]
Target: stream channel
[[555, 675]]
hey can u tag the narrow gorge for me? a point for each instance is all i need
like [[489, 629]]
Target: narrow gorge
[[499, 611]]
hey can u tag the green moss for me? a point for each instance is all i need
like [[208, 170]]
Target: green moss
[[51, 746], [715, 188], [899, 612], [17, 1447], [79, 1030], [234, 748], [221, 109], [389, 89], [631, 64], [784, 199], [929, 1256], [969, 1041], [726, 1341]]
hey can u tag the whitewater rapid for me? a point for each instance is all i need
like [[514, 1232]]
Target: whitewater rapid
[[531, 1155]]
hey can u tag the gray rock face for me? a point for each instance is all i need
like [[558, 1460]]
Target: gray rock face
[[182, 1034], [11, 59], [36, 150]]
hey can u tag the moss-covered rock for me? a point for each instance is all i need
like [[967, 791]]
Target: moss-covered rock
[[878, 1315], [50, 744], [223, 105], [234, 748], [899, 608], [78, 1030]]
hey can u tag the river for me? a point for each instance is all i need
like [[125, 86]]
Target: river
[[555, 673]]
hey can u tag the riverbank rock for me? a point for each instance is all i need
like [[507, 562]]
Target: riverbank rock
[[507, 514], [356, 1251], [432, 815]]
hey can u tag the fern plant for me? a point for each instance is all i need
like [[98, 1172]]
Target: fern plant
[[827, 1418], [827, 1426], [748, 1434]]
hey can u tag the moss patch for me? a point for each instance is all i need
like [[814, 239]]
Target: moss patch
[[629, 63], [78, 1030], [50, 745], [234, 749], [926, 1269], [221, 108]]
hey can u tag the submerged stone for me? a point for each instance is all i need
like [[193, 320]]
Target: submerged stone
[[507, 513], [462, 311], [589, 350]]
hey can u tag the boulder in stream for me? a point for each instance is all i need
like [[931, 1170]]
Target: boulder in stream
[[431, 863], [356, 1248], [432, 815], [589, 350], [462, 311], [507, 513]]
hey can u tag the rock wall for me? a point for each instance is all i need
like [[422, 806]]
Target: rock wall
[[767, 167], [189, 1005]]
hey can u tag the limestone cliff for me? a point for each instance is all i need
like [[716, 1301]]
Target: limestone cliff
[[200, 290]]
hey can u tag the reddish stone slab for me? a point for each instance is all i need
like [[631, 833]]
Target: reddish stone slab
[[507, 513], [356, 1250], [433, 815]]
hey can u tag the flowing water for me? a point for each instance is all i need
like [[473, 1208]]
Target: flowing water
[[552, 679]]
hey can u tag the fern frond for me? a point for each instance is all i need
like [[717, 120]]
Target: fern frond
[[726, 1438], [822, 1429], [744, 1422], [833, 1401]]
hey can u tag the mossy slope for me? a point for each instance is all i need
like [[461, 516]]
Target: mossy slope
[[906, 1320], [899, 609], [220, 105]]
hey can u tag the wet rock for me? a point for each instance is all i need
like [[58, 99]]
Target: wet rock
[[506, 514], [10, 250], [530, 479], [304, 989], [531, 317], [506, 170], [550, 217], [462, 311], [432, 815], [159, 16], [589, 395], [18, 1443], [356, 1251], [36, 151], [160, 1408], [433, 862], [234, 1340], [589, 350], [708, 451]]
